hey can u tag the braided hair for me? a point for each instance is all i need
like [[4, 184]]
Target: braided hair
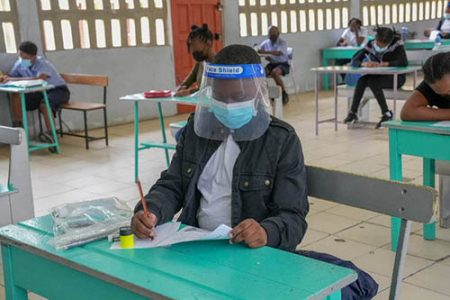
[[202, 33], [386, 35], [436, 67]]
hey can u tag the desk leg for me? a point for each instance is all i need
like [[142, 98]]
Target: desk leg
[[52, 124], [325, 77], [415, 79], [136, 141], [13, 292], [163, 131], [429, 230], [316, 94], [395, 93], [395, 166], [335, 101], [335, 296], [25, 117]]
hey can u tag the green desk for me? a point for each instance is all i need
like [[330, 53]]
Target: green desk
[[199, 270], [423, 44], [33, 146], [138, 146], [417, 139]]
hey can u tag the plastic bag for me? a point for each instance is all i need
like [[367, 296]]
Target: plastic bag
[[78, 223]]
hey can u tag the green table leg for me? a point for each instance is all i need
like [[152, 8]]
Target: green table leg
[[395, 168], [136, 141], [24, 117], [325, 59], [335, 296], [429, 230], [52, 124], [163, 131], [13, 292]]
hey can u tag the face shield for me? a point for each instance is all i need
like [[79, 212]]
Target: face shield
[[233, 99]]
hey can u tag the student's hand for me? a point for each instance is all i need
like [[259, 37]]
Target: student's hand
[[183, 92], [250, 232], [343, 44], [4, 78], [144, 225], [370, 64], [43, 76]]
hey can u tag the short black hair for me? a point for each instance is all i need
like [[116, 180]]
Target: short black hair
[[385, 35], [436, 67], [28, 48], [237, 54], [202, 33], [358, 21]]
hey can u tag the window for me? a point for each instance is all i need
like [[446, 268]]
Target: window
[[97, 24], [9, 31], [291, 15], [386, 12]]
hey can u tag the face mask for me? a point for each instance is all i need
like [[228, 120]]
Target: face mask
[[233, 115], [26, 63], [378, 48], [199, 56]]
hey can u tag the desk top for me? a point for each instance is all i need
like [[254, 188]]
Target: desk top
[[422, 126], [376, 71], [11, 89], [209, 270], [173, 99]]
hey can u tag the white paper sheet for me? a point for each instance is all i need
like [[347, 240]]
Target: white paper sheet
[[442, 124], [25, 83], [169, 234]]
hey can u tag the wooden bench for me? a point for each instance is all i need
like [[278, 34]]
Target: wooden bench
[[83, 106], [396, 199], [346, 91]]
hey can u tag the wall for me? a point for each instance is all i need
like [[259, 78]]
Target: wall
[[130, 70]]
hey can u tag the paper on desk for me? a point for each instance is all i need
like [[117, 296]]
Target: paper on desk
[[441, 124], [25, 83], [169, 234]]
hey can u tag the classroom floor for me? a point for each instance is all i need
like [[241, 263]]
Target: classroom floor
[[357, 235]]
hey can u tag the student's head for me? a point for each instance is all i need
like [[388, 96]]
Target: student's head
[[447, 8], [354, 24], [235, 90], [274, 33], [436, 72], [200, 42], [27, 53], [383, 37]]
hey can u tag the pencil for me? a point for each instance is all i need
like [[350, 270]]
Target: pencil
[[141, 195]]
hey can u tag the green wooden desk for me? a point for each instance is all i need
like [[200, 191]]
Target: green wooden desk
[[417, 139], [33, 146], [200, 270], [138, 146], [423, 44]]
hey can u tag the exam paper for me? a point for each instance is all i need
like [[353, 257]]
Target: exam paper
[[25, 83], [442, 124], [170, 233]]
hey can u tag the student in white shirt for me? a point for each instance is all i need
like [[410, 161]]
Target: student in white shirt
[[354, 35]]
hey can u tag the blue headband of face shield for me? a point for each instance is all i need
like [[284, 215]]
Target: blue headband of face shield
[[219, 71]]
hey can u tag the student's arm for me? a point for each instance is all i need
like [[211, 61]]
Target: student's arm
[[416, 109], [286, 224], [358, 58], [360, 40], [184, 88], [400, 60]]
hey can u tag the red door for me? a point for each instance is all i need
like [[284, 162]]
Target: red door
[[186, 13]]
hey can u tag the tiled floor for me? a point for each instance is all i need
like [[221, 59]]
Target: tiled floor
[[350, 233]]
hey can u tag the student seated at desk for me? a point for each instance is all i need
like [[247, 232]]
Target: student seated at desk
[[354, 35], [443, 27], [237, 165], [385, 51], [200, 45], [433, 92], [278, 64], [31, 66]]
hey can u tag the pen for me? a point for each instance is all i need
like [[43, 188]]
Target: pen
[[141, 195]]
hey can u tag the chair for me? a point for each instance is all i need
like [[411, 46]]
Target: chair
[[16, 198], [89, 80], [397, 199], [291, 76]]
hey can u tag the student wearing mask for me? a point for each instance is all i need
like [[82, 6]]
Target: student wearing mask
[[200, 45], [237, 165], [431, 99], [278, 58], [386, 50], [31, 66]]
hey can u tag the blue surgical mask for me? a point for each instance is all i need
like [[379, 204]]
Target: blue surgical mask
[[378, 48], [26, 63], [234, 115]]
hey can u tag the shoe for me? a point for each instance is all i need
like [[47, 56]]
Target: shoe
[[285, 98], [387, 116], [351, 118], [48, 139]]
